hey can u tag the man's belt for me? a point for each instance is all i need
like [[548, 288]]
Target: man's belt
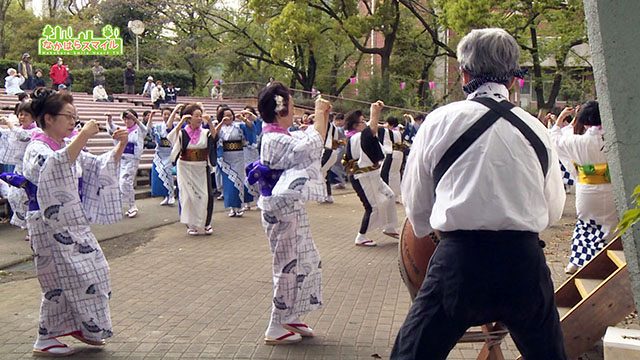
[[194, 155], [235, 145], [130, 148], [593, 174], [352, 168], [164, 142]]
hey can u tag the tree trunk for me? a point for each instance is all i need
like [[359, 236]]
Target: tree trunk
[[537, 69]]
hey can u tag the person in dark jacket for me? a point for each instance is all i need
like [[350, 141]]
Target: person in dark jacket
[[129, 79]]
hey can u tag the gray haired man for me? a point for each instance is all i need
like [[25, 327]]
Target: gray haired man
[[485, 176]]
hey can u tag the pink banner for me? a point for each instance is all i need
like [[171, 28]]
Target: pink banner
[[432, 85], [353, 80], [402, 85], [521, 83]]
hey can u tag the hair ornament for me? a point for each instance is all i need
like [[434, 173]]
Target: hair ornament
[[279, 103]]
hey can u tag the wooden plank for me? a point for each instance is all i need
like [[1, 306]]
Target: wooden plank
[[586, 286], [617, 256], [562, 311], [587, 322], [491, 349]]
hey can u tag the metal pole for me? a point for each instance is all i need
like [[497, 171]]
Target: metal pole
[[137, 55]]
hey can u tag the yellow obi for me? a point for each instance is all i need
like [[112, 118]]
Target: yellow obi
[[593, 174]]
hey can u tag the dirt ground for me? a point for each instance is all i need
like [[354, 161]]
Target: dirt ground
[[113, 248]]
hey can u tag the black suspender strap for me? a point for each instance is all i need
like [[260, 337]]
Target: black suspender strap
[[504, 109], [496, 111]]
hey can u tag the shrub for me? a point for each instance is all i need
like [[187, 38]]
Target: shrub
[[83, 80]]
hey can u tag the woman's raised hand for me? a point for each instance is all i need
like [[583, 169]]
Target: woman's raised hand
[[120, 135], [90, 128]]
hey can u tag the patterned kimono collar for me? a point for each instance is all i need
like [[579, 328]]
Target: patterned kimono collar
[[350, 133], [275, 128], [41, 136], [30, 127], [194, 134], [133, 128]]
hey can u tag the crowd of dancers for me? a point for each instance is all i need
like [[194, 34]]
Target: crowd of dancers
[[58, 189]]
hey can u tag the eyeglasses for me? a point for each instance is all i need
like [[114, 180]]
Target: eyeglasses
[[75, 117]]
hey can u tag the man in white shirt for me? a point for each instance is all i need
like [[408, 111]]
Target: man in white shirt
[[488, 193]]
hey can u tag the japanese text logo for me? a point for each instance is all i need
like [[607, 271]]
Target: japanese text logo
[[58, 41]]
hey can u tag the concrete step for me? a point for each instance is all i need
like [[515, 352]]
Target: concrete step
[[143, 192]]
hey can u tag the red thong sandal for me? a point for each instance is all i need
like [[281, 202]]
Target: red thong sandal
[[44, 352], [288, 338], [300, 328], [78, 336]]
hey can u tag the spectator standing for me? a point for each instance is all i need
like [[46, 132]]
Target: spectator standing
[[98, 73], [129, 79], [26, 70], [69, 80], [58, 74]]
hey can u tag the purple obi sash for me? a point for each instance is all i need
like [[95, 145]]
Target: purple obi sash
[[30, 188], [130, 148], [263, 175]]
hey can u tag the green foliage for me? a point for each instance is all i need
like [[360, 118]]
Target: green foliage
[[555, 25], [83, 80], [631, 216], [5, 64]]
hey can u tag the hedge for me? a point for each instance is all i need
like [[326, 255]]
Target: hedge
[[83, 78], [5, 64]]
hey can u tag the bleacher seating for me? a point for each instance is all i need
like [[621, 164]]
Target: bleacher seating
[[88, 109]]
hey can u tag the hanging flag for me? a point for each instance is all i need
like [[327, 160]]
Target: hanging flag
[[432, 85], [521, 82], [353, 80]]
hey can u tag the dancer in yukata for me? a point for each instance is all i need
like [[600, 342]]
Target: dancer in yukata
[[597, 216], [251, 151], [68, 190], [194, 150], [130, 158], [393, 147], [289, 174], [13, 143], [329, 158], [362, 160], [232, 136], [162, 169]]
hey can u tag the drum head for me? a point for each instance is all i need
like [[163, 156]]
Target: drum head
[[413, 258]]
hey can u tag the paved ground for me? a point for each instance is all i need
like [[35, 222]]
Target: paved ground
[[209, 297]]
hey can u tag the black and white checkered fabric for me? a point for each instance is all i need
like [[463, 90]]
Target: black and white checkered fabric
[[567, 179], [588, 240]]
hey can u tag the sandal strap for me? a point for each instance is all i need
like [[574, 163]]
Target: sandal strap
[[55, 346], [299, 325], [289, 334]]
